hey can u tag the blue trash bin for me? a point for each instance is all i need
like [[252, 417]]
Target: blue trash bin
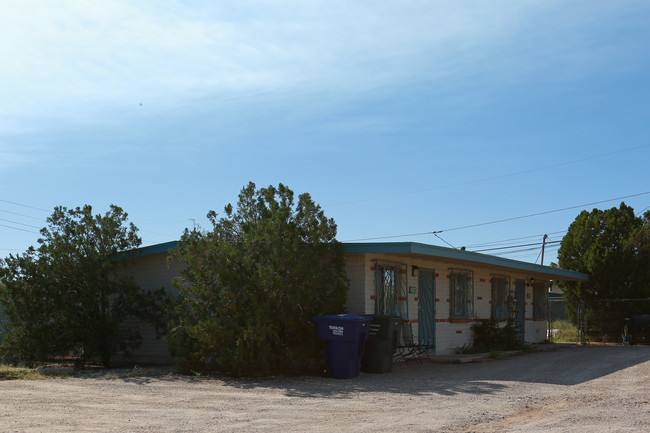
[[346, 335]]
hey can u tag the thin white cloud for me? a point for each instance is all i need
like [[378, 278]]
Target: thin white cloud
[[57, 54], [10, 159], [69, 59]]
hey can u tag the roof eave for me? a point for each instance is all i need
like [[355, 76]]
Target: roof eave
[[463, 256]]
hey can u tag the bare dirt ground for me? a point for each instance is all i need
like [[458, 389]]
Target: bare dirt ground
[[575, 389]]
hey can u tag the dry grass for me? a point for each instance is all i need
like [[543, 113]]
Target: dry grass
[[567, 332], [57, 372], [15, 373]]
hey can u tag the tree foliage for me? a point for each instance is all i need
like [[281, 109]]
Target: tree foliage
[[253, 283], [613, 247], [3, 319], [67, 297]]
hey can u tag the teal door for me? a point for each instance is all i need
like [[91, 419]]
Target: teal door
[[520, 307], [427, 309]]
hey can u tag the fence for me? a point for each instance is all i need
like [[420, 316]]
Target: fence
[[600, 321], [3, 327]]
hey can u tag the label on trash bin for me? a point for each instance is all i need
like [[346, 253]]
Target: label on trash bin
[[336, 330]]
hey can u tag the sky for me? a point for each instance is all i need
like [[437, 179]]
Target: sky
[[453, 123]]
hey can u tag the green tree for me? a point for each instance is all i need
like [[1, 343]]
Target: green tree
[[68, 296], [3, 319], [613, 247], [253, 283]]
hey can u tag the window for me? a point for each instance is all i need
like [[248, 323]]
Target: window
[[539, 300], [501, 297], [390, 288], [461, 294]]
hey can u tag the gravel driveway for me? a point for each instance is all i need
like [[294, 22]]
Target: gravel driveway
[[581, 389]]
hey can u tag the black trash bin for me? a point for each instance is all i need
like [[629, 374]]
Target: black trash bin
[[382, 343], [641, 329], [346, 336]]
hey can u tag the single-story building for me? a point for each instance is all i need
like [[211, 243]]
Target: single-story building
[[440, 291], [443, 291]]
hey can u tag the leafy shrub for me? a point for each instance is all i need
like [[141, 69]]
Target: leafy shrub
[[253, 283], [490, 336], [68, 296]]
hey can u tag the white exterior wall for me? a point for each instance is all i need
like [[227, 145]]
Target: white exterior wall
[[449, 333], [535, 328], [152, 272], [356, 272]]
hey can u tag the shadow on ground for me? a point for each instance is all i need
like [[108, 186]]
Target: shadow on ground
[[568, 366]]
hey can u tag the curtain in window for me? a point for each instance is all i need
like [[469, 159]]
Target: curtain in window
[[461, 288], [501, 297], [390, 285], [540, 299]]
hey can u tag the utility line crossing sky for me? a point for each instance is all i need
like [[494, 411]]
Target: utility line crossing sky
[[403, 119]]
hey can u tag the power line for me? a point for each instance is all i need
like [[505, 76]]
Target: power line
[[538, 255], [543, 213], [485, 179], [642, 210], [535, 249], [20, 224], [25, 205], [16, 228], [485, 244], [22, 215], [504, 219], [515, 246], [436, 235], [531, 248], [393, 236]]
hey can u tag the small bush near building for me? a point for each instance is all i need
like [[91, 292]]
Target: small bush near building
[[490, 336]]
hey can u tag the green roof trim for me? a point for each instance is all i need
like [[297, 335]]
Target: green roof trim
[[460, 255], [149, 250], [158, 248], [420, 249]]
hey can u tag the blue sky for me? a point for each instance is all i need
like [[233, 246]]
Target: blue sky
[[398, 117]]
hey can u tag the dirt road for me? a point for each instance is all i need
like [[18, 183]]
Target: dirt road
[[576, 389]]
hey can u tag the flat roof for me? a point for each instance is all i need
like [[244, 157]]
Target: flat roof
[[462, 256], [426, 250]]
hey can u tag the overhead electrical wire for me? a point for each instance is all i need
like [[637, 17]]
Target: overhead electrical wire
[[502, 220], [17, 228], [515, 246], [20, 224], [486, 179], [485, 244], [22, 215], [25, 205], [533, 251], [543, 213], [436, 235], [528, 248]]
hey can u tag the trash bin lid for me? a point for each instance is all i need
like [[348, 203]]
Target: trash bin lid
[[346, 317]]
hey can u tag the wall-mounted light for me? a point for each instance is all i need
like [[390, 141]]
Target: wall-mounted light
[[414, 270], [531, 282]]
